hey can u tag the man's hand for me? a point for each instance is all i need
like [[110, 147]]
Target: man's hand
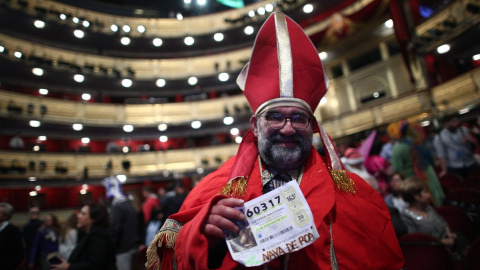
[[218, 218]]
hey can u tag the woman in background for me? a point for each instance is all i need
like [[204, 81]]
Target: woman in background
[[69, 236], [45, 243], [96, 250]]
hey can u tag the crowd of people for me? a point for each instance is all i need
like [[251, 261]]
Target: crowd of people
[[109, 234]]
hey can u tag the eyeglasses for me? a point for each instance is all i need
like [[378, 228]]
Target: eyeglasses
[[278, 121]]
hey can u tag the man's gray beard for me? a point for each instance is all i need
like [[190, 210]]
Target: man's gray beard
[[282, 158]]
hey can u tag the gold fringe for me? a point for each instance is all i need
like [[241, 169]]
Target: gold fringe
[[152, 255], [342, 181], [236, 187]]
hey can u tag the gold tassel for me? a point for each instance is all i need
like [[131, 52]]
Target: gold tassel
[[236, 187], [168, 232], [342, 181]]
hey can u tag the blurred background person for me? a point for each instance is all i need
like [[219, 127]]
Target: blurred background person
[[151, 202], [29, 229], [353, 161], [455, 149], [410, 158], [96, 249], [45, 243], [68, 237], [11, 247], [123, 224], [396, 204], [172, 204]]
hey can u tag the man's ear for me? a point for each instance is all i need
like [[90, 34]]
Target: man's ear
[[253, 125]]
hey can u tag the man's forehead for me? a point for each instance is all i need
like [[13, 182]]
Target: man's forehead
[[287, 109]]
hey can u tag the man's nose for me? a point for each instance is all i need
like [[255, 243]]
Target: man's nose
[[288, 128]]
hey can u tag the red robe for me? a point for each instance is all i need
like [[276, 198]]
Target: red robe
[[362, 232]]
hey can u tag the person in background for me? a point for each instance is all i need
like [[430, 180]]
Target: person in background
[[411, 158], [96, 249], [11, 247], [29, 229], [283, 83], [455, 147], [123, 224], [68, 237], [396, 204], [172, 204], [420, 217], [353, 161], [151, 202], [45, 243], [16, 142]]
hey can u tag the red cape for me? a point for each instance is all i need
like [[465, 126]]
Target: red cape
[[362, 233]]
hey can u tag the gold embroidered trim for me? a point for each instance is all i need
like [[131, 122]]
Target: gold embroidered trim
[[342, 181], [167, 233], [235, 188]]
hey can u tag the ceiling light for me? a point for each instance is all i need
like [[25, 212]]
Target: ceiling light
[[78, 78], [248, 30], [179, 16], [43, 91], [114, 28], [34, 123], [201, 2], [126, 28], [192, 80], [141, 29], [37, 71], [128, 128], [125, 41], [127, 83], [78, 33], [187, 1], [38, 188], [308, 8], [63, 17], [32, 179], [238, 139], [83, 191], [162, 127], [157, 42], [160, 82], [424, 123], [36, 148], [234, 131], [85, 186], [2, 49], [476, 57], [389, 23], [189, 41], [77, 127], [86, 96], [163, 138], [39, 24], [85, 140], [443, 48], [323, 56], [269, 7], [223, 77], [218, 37], [17, 54], [261, 11], [32, 193], [75, 20], [122, 178], [228, 120], [86, 23], [42, 138], [196, 124], [464, 110], [251, 14]]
